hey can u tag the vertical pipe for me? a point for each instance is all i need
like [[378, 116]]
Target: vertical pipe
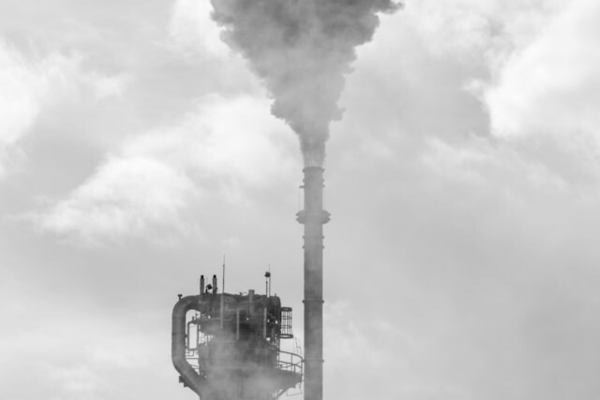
[[223, 293], [265, 322], [237, 324], [223, 290], [313, 217], [268, 283]]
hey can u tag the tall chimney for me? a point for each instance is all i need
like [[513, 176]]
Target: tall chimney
[[313, 217]]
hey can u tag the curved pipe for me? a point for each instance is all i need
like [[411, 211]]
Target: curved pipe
[[178, 340]]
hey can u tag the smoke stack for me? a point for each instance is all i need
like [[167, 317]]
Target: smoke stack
[[313, 217]]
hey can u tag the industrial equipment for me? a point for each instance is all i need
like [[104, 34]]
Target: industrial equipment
[[227, 346]]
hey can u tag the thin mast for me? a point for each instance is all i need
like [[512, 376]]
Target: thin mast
[[223, 293]]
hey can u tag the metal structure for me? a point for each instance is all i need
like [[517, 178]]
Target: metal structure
[[313, 217], [227, 346]]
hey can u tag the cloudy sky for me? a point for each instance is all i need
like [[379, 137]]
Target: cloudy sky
[[461, 261]]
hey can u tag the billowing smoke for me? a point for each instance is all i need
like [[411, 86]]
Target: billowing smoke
[[301, 49]]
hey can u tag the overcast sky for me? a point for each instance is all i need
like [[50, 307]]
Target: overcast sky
[[462, 260]]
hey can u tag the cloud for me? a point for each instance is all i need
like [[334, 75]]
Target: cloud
[[77, 382], [24, 88], [83, 352], [476, 30], [549, 85], [481, 163], [107, 86], [123, 197], [193, 32], [32, 85], [521, 76], [396, 366], [146, 188], [461, 27]]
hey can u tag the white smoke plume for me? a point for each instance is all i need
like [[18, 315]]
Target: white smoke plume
[[301, 49]]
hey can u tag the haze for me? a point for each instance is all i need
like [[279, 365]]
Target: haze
[[461, 261]]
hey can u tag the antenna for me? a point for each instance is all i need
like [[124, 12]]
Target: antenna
[[268, 281], [223, 292]]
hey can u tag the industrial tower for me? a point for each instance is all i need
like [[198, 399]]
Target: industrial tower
[[313, 217], [227, 346]]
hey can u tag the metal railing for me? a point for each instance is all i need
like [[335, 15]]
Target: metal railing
[[290, 362]]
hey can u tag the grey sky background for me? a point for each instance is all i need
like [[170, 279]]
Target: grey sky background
[[461, 261]]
